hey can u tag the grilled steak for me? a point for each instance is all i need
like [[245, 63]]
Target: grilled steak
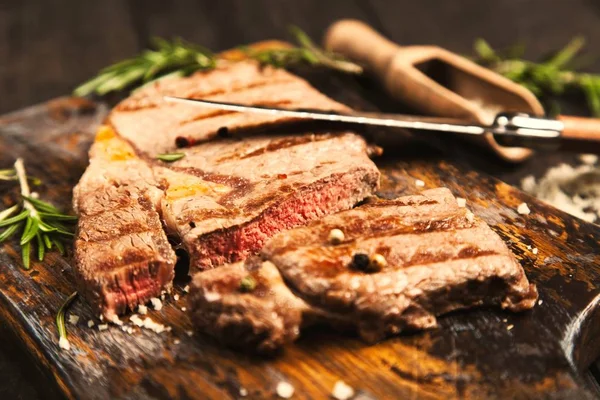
[[434, 257], [224, 199]]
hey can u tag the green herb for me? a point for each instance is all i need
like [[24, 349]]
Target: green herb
[[179, 58], [170, 157], [547, 79], [247, 284], [36, 219], [307, 52], [60, 318]]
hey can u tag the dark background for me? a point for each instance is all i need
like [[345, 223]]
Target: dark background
[[48, 47]]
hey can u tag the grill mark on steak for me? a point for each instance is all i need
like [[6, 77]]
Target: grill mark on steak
[[279, 144]]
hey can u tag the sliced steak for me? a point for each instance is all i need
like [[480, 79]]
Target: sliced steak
[[122, 254], [435, 257], [225, 199]]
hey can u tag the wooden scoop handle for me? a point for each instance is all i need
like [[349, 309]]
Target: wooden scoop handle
[[580, 135], [360, 43]]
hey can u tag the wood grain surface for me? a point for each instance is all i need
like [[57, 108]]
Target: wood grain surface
[[482, 353]]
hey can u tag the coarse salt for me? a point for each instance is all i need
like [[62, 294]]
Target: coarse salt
[[243, 392], [419, 183], [183, 309], [535, 250], [90, 323], [73, 319], [470, 216], [136, 320], [115, 320], [176, 297], [64, 343], [342, 391], [589, 159], [189, 333], [461, 202], [186, 288], [142, 309], [509, 327], [176, 341], [153, 326], [102, 327], [285, 390], [523, 209], [156, 303], [540, 302]]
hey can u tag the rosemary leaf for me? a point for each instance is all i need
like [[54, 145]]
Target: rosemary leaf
[[170, 157], [9, 232], [47, 241], [25, 250], [59, 217], [9, 221], [42, 205], [59, 246], [31, 229], [40, 246], [60, 316], [8, 212]]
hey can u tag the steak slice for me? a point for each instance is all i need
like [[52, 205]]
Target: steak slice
[[225, 199], [122, 255], [438, 258]]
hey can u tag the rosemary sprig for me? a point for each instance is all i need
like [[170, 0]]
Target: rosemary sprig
[[547, 79], [63, 340], [179, 58], [170, 157], [37, 219]]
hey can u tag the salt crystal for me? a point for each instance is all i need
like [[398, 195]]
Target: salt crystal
[[115, 320], [589, 159], [176, 297], [189, 333], [523, 209], [540, 302], [509, 327], [470, 216], [285, 390], [73, 319], [461, 202], [90, 323], [102, 327], [243, 392], [156, 303], [342, 391], [419, 183], [142, 309], [64, 344], [183, 309], [176, 341], [186, 288], [535, 250], [136, 320], [130, 330]]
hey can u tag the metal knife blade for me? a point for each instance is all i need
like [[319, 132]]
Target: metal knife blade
[[513, 125]]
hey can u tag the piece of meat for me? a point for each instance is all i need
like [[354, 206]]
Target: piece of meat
[[238, 194], [224, 199], [437, 257], [122, 255]]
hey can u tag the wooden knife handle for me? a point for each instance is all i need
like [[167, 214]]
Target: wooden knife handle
[[580, 134], [358, 42]]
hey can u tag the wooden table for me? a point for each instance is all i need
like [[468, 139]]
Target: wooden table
[[47, 48]]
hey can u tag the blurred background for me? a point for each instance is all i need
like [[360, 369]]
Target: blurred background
[[48, 47]]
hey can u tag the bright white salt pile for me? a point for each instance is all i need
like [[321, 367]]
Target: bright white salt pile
[[115, 320], [156, 303], [341, 391], [523, 209], [285, 390], [142, 309], [461, 202], [64, 344], [419, 183], [136, 320], [73, 319], [153, 326], [575, 190]]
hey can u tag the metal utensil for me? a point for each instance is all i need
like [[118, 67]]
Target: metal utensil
[[509, 129]]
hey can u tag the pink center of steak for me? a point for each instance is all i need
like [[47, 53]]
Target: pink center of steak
[[335, 193]]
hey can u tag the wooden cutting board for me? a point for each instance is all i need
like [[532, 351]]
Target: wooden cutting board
[[484, 353]]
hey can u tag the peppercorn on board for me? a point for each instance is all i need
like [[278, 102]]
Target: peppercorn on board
[[474, 354]]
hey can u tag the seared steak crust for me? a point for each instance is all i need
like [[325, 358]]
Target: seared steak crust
[[438, 258]]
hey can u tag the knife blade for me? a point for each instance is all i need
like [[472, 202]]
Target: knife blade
[[511, 129]]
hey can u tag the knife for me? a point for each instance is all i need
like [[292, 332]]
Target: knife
[[509, 128]]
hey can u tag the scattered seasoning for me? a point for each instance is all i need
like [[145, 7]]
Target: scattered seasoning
[[115, 320], [153, 326], [470, 216], [377, 263], [189, 333], [90, 323], [243, 392], [535, 250], [102, 327], [540, 302], [342, 391], [142, 309], [461, 202], [336, 236], [186, 289], [129, 330], [73, 319], [176, 297], [63, 341], [588, 159], [136, 320], [285, 390], [504, 320], [183, 309], [156, 303], [523, 209], [508, 328], [170, 157], [419, 183], [247, 284], [176, 341], [360, 262]]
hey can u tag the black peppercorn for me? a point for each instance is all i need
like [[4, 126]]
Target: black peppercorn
[[360, 262]]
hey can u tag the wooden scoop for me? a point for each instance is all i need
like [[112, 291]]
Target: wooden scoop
[[436, 81]]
